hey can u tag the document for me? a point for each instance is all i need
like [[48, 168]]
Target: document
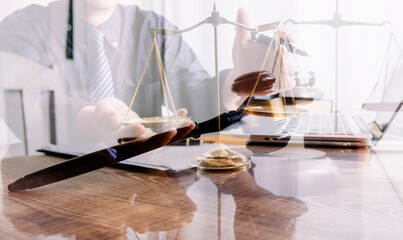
[[173, 157]]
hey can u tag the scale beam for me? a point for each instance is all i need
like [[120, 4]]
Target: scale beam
[[215, 19]]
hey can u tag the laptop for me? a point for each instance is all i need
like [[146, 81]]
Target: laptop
[[329, 130], [367, 128]]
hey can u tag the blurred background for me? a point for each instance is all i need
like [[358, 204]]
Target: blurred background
[[361, 49]]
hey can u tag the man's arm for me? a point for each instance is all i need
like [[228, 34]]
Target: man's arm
[[199, 90], [248, 57], [26, 32]]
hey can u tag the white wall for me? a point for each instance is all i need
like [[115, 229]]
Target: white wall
[[361, 49]]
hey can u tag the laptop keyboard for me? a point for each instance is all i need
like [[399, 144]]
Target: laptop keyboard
[[325, 124]]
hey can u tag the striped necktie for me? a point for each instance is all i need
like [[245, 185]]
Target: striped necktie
[[100, 74]]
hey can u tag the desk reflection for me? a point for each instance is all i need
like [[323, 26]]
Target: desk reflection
[[345, 195], [259, 214], [120, 204], [124, 205], [164, 205]]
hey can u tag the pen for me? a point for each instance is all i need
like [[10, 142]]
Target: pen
[[96, 160], [127, 149], [263, 39], [209, 126]]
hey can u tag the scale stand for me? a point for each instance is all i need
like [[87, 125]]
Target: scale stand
[[222, 159], [336, 23]]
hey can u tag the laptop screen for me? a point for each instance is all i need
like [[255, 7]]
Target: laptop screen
[[386, 99]]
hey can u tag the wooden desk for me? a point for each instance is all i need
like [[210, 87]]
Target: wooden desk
[[347, 195]]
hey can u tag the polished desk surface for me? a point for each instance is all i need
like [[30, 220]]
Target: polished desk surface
[[349, 194]]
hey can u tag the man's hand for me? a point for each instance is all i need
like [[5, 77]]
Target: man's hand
[[104, 121], [248, 57]]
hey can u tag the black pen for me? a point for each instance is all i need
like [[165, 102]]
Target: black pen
[[127, 149], [96, 160], [263, 39], [211, 125]]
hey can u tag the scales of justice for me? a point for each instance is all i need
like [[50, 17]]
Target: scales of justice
[[222, 158]]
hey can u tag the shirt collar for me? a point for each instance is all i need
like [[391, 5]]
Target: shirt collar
[[112, 28]]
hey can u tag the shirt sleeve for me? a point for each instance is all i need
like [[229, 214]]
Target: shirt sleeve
[[23, 33]]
